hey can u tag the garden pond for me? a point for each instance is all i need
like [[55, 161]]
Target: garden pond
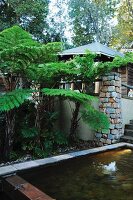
[[107, 175]]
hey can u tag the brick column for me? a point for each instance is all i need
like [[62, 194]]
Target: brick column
[[110, 103]]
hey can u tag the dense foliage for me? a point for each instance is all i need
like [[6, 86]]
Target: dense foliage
[[18, 51], [32, 74], [13, 99]]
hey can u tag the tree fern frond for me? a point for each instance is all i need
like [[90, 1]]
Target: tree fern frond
[[54, 47], [52, 72], [18, 48], [15, 36], [118, 61], [13, 99], [26, 54], [96, 119], [68, 94]]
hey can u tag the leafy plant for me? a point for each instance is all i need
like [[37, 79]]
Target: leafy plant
[[90, 115], [97, 120], [50, 141], [41, 143], [18, 51], [29, 133], [68, 94], [14, 155], [54, 140], [13, 99], [25, 60]]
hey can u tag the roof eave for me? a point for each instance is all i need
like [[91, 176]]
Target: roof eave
[[81, 53]]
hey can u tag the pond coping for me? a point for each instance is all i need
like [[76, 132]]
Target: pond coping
[[14, 168]]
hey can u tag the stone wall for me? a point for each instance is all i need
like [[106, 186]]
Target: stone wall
[[110, 103]]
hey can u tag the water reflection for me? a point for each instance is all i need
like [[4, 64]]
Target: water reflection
[[111, 167]]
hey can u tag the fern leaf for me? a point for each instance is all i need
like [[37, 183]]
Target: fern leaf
[[18, 50], [68, 94], [96, 119], [13, 99], [15, 36]]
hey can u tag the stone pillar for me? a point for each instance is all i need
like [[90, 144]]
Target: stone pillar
[[110, 103]]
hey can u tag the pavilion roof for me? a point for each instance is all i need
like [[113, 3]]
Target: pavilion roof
[[94, 47]]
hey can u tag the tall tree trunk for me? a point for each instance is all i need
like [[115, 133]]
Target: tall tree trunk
[[38, 122], [74, 122], [9, 134]]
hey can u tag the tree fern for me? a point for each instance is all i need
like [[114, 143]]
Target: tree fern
[[18, 50], [90, 115], [13, 99]]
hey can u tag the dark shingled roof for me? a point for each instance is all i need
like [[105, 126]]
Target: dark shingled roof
[[94, 47]]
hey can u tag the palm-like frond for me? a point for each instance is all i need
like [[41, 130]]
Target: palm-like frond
[[52, 72], [96, 119], [106, 67], [68, 94], [13, 99], [90, 115], [15, 37], [24, 56], [18, 50]]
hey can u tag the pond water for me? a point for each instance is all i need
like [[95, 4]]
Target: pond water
[[4, 197], [106, 176]]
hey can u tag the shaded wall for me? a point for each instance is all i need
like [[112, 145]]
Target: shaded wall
[[127, 110], [84, 131]]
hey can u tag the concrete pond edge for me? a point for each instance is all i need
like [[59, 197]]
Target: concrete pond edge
[[14, 168]]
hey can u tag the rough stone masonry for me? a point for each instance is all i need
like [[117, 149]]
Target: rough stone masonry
[[110, 104]]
